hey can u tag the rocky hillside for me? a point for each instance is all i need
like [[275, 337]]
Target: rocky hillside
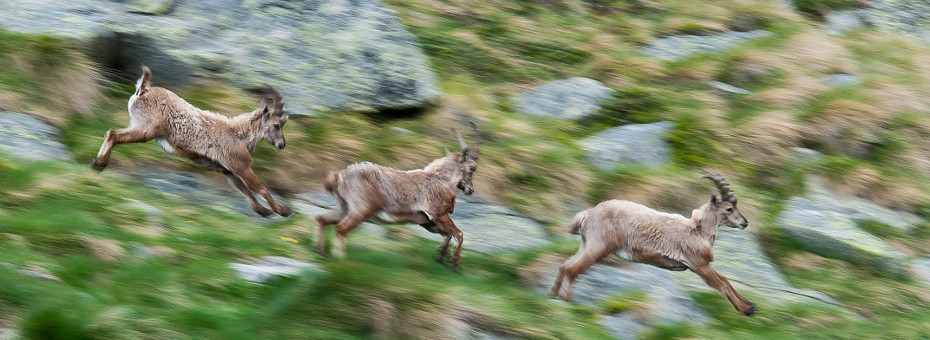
[[816, 110]]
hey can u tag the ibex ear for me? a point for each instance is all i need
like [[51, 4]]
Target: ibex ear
[[464, 156], [713, 201]]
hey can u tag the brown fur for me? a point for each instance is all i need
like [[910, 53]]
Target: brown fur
[[211, 140], [425, 197], [661, 239]]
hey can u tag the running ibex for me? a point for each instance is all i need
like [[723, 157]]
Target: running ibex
[[661, 239], [425, 196], [211, 140]]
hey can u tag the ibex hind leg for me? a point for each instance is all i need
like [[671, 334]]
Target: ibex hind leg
[[322, 221], [586, 257], [115, 137], [352, 219]]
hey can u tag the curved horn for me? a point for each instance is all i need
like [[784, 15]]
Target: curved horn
[[462, 144], [476, 147], [725, 193], [277, 103]]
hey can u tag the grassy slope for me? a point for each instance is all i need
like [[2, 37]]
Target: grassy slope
[[484, 54]]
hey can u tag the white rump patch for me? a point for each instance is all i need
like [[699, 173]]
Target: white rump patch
[[387, 218], [624, 255], [164, 145], [135, 95]]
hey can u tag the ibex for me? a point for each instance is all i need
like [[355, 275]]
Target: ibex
[[425, 196], [661, 239], [211, 140]]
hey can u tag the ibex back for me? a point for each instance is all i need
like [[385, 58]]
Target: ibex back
[[211, 140], [425, 196]]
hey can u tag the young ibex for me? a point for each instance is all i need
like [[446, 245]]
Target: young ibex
[[211, 140], [425, 196], [661, 239]]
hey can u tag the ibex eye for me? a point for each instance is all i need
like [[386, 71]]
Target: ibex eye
[[730, 210]]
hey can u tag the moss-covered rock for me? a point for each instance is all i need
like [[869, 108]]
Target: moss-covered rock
[[680, 47], [27, 137], [571, 99], [667, 301], [831, 234], [335, 54], [739, 257], [633, 144]]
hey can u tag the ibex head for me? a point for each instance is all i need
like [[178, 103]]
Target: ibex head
[[468, 159], [273, 119], [725, 204]]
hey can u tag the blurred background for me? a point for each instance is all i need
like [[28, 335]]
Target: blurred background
[[815, 110]]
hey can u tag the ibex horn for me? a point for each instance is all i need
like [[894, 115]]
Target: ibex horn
[[725, 193], [462, 144], [477, 146], [277, 103]]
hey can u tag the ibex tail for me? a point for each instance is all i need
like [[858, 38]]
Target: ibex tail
[[144, 81], [575, 225], [331, 180]]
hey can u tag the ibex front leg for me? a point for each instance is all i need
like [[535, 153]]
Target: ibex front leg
[[722, 285], [114, 137], [244, 172], [452, 230], [256, 206]]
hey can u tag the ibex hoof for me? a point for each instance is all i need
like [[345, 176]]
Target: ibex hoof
[[439, 258], [266, 213], [287, 212], [751, 311], [96, 166]]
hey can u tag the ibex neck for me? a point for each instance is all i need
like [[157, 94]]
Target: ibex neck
[[445, 174], [705, 221], [248, 129]]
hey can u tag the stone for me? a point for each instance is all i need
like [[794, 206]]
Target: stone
[[38, 272], [909, 18], [831, 234], [567, 99], [859, 209], [841, 79], [487, 227], [920, 268], [680, 47], [840, 22], [491, 228], [321, 54], [269, 268], [727, 90], [739, 257], [27, 137], [193, 189], [805, 155], [8, 334], [633, 144], [667, 300], [152, 214]]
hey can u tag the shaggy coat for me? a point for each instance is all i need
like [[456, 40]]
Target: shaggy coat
[[641, 234], [424, 196], [211, 140]]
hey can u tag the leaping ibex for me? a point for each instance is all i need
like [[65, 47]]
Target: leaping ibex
[[424, 196], [661, 239], [211, 140]]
